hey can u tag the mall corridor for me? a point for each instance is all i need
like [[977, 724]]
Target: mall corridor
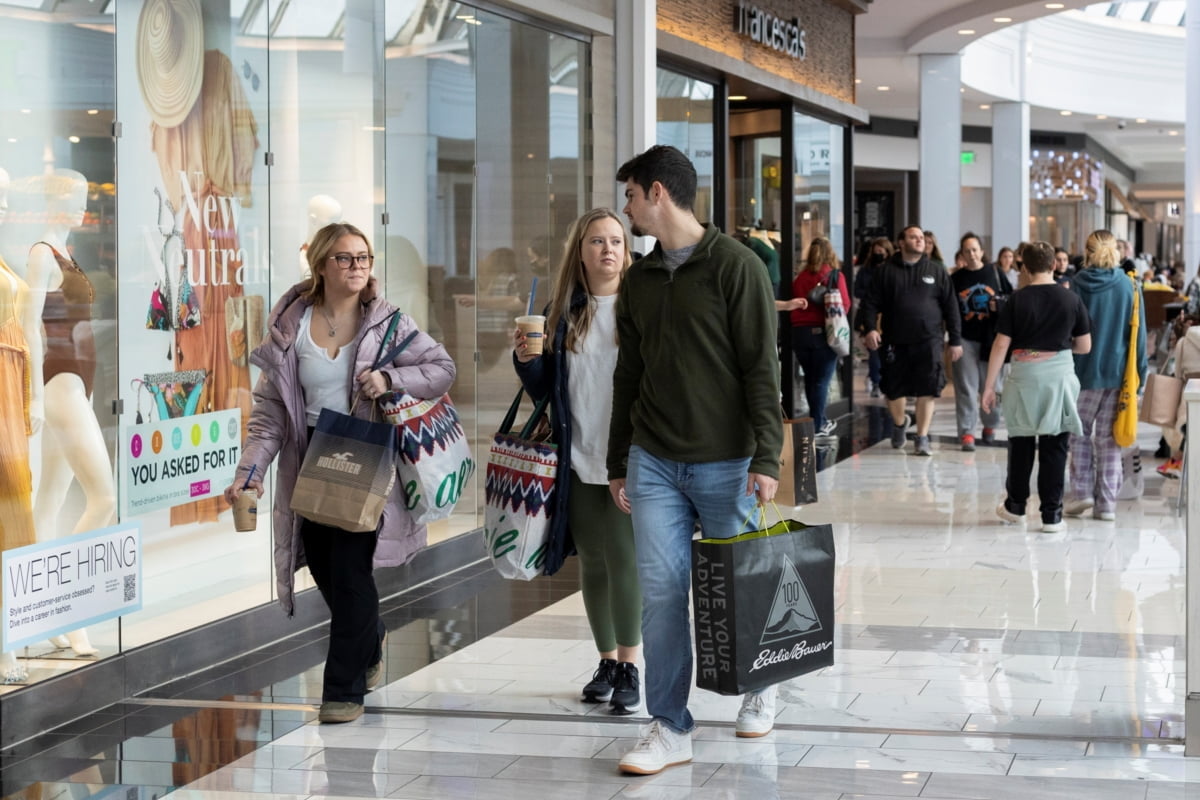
[[974, 660]]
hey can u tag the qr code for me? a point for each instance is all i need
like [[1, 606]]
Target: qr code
[[130, 588]]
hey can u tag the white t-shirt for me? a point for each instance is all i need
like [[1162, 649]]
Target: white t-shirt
[[325, 381], [589, 387]]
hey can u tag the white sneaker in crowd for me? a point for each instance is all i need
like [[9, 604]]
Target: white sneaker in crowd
[[1077, 508], [659, 748], [757, 716]]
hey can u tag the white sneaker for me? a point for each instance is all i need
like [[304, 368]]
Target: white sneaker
[[1077, 508], [1054, 527], [757, 716], [1008, 516], [1105, 516], [659, 748], [828, 428]]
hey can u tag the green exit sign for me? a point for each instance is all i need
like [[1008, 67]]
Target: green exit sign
[[968, 156]]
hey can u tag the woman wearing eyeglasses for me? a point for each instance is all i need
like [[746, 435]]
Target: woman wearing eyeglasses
[[323, 337]]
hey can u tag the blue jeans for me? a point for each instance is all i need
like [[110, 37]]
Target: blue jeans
[[818, 360], [667, 497]]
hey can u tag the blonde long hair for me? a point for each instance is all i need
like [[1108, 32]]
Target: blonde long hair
[[570, 276], [820, 253]]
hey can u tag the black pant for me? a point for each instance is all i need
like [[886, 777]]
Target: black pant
[[341, 563], [1051, 452]]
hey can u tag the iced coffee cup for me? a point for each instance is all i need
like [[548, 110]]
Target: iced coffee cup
[[534, 328], [245, 510]]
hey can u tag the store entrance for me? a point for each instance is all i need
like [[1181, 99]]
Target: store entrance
[[785, 191]]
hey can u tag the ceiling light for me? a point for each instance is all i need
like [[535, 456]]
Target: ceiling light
[[73, 139], [984, 107], [1002, 19], [26, 110], [1102, 116], [1055, 6], [1140, 121], [737, 97], [962, 90], [966, 32], [93, 111], [858, 80], [1172, 133], [1065, 113], [884, 88]]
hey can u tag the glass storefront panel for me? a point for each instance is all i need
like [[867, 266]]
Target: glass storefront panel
[[818, 205], [456, 140], [686, 111], [58, 336]]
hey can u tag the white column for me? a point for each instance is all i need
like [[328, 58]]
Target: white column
[[940, 148], [637, 83], [1010, 174], [1191, 162]]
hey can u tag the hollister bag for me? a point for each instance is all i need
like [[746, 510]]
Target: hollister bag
[[519, 496], [348, 472], [434, 462], [763, 605]]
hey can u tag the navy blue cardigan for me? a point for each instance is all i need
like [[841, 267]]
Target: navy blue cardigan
[[548, 376]]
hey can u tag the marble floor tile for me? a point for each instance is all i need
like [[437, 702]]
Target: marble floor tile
[[944, 785], [434, 787], [1140, 769], [496, 743], [918, 760], [988, 744]]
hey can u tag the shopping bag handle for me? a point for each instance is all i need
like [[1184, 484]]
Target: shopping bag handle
[[510, 418], [761, 508], [382, 360]]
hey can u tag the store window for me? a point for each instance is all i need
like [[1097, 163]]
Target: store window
[[454, 139], [686, 115]]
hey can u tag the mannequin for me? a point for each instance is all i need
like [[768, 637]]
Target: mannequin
[[64, 364], [322, 210], [16, 485]]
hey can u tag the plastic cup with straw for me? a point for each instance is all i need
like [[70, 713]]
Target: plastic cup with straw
[[245, 505]]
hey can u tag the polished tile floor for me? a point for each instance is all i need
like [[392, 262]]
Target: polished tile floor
[[974, 660]]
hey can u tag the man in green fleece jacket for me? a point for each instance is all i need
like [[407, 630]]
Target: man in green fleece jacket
[[696, 426]]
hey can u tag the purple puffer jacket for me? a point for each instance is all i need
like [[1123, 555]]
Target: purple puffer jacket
[[278, 426]]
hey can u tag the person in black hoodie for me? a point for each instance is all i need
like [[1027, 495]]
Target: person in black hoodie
[[980, 291], [575, 371], [915, 297]]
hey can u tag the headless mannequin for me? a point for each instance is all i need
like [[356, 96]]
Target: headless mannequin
[[322, 210], [12, 294], [72, 443]]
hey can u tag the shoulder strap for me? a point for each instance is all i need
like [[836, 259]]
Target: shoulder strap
[[380, 358], [510, 418]]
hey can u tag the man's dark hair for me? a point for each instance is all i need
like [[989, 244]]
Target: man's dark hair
[[1038, 257], [1058, 250], [669, 167]]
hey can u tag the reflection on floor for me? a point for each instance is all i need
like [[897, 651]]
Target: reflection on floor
[[974, 660]]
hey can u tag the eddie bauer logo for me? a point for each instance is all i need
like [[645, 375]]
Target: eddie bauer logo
[[792, 614], [339, 462]]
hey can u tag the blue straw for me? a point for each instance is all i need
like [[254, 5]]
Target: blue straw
[[532, 295], [249, 475]]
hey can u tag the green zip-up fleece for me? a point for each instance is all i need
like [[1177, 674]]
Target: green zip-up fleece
[[697, 376]]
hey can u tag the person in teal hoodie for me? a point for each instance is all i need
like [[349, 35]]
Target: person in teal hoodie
[[1109, 295]]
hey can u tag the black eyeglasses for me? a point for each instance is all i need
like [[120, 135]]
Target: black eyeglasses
[[345, 260]]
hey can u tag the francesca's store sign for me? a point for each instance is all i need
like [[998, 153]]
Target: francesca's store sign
[[65, 584], [774, 32], [176, 461]]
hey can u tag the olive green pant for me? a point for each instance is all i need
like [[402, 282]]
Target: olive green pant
[[603, 537]]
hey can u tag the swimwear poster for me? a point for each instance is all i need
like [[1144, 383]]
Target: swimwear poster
[[175, 461]]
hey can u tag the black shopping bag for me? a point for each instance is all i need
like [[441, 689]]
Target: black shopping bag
[[763, 606]]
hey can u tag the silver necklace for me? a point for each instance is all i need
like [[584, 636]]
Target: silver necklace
[[333, 328]]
